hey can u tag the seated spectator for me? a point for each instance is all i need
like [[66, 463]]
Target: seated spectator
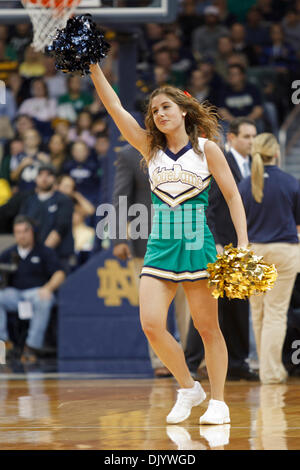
[[296, 7], [163, 58], [268, 12], [291, 29], [201, 5], [205, 38], [39, 106], [83, 169], [256, 30], [20, 38], [237, 58], [14, 148], [188, 20], [22, 124], [96, 109], [200, 88], [160, 77], [73, 102], [240, 9], [271, 103], [279, 55], [154, 33], [240, 98], [10, 53], [31, 287], [24, 167], [66, 185], [213, 79], [57, 149], [56, 81], [99, 127], [102, 145], [182, 59], [281, 61], [83, 235], [82, 129], [226, 17], [7, 66], [110, 65], [240, 45], [224, 51], [32, 66], [52, 212], [61, 127], [18, 87]]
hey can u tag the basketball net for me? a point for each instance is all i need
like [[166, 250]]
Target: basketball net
[[47, 16]]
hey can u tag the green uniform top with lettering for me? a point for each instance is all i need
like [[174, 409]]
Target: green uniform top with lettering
[[180, 244]]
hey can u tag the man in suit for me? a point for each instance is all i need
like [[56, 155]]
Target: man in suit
[[234, 314], [131, 186]]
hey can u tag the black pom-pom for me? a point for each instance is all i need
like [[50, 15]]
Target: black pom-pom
[[78, 45]]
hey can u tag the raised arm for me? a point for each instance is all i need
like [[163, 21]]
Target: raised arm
[[221, 172], [128, 126], [84, 56]]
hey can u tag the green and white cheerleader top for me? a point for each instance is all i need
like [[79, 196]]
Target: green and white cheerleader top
[[180, 244]]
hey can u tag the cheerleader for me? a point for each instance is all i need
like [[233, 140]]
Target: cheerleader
[[181, 163]]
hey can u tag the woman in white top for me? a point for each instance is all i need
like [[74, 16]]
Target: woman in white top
[[40, 106]]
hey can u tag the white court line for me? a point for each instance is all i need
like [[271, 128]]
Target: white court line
[[54, 428]]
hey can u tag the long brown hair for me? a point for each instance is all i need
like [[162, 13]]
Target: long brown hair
[[201, 121], [264, 148]]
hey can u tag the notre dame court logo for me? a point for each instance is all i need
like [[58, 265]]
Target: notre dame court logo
[[117, 283]]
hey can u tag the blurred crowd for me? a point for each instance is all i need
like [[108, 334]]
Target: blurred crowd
[[242, 57]]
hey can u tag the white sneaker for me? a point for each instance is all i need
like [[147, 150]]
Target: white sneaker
[[179, 435], [182, 438], [216, 413], [186, 399], [217, 435]]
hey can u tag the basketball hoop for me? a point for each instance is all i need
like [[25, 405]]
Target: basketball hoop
[[47, 16]]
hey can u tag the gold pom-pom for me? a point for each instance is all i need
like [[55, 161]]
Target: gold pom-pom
[[239, 273]]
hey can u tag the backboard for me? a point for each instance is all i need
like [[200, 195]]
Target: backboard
[[104, 11]]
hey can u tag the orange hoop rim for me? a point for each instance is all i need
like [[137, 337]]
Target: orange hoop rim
[[54, 4]]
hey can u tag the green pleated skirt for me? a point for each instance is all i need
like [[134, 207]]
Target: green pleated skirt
[[180, 244]]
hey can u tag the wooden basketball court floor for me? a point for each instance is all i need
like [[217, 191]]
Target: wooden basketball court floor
[[73, 412]]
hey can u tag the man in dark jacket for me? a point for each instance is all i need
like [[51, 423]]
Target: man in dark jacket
[[52, 212], [234, 314]]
